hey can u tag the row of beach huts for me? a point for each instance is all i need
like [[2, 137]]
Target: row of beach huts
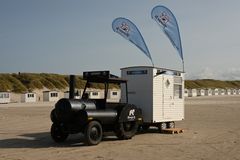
[[210, 92], [114, 95], [53, 96]]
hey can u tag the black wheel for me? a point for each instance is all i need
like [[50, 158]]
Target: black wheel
[[57, 134], [126, 130], [171, 125], [162, 126], [93, 133]]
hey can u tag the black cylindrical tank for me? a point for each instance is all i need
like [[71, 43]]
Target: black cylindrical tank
[[67, 109], [106, 116], [75, 111]]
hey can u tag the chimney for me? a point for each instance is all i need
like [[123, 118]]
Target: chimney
[[72, 86]]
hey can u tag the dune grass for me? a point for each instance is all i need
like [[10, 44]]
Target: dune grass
[[23, 82]]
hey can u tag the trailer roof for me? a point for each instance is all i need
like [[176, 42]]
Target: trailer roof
[[151, 67], [102, 77]]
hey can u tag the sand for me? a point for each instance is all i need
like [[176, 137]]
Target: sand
[[211, 125]]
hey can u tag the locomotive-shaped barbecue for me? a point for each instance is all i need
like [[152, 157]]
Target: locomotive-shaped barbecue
[[92, 117]]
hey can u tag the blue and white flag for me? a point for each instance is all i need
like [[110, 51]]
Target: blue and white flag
[[167, 21], [129, 31]]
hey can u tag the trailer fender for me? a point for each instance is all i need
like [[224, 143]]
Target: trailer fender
[[130, 113]]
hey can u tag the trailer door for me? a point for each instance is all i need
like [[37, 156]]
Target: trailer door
[[168, 101]]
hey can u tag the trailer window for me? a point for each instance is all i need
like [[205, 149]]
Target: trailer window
[[177, 91], [137, 72]]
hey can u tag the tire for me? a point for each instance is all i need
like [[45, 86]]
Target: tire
[[57, 134], [93, 133], [171, 125], [162, 126], [126, 130]]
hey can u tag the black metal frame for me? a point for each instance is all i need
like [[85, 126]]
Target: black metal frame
[[105, 78]]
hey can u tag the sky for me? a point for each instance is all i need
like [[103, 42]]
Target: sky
[[72, 36]]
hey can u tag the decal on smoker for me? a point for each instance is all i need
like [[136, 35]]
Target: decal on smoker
[[131, 115]]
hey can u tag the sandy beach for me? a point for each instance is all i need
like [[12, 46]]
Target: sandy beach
[[211, 131]]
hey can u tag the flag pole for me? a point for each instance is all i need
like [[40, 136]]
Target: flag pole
[[183, 65]]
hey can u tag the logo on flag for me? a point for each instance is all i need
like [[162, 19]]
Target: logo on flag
[[124, 29], [164, 19]]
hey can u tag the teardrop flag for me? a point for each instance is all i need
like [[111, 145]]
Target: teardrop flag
[[129, 31], [167, 21]]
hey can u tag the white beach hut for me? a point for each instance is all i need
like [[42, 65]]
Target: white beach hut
[[208, 92], [4, 97], [233, 91], [215, 91], [192, 92], [95, 93], [238, 91], [221, 91], [228, 92], [114, 95], [200, 92], [78, 94], [185, 92], [28, 97], [50, 96]]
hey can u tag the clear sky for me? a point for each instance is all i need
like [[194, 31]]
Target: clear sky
[[72, 36]]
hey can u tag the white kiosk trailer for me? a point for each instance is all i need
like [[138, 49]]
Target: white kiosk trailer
[[158, 92]]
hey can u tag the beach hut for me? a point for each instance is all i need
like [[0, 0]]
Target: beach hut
[[114, 95], [28, 97], [208, 92], [228, 92], [50, 96], [200, 92], [4, 97], [192, 92], [233, 91], [95, 93], [221, 91], [238, 91], [215, 91], [185, 92], [78, 94]]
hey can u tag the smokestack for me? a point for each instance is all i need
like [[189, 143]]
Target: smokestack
[[72, 86]]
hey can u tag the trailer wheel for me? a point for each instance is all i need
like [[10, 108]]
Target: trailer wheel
[[126, 130], [57, 134], [145, 127], [171, 125], [162, 126], [93, 133]]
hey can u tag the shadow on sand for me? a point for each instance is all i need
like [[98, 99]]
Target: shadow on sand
[[44, 140]]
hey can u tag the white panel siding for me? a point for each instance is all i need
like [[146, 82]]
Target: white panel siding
[[155, 93], [157, 98]]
